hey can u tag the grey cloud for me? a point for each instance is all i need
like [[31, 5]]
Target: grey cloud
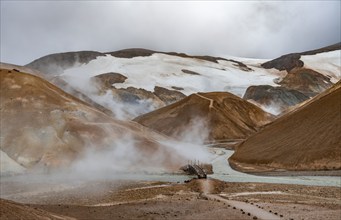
[[264, 29]]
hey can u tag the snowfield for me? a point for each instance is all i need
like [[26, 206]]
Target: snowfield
[[328, 63], [166, 71], [187, 74]]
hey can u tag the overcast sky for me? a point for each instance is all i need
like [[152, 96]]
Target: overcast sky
[[260, 29]]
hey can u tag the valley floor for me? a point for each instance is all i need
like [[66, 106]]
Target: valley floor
[[198, 199]]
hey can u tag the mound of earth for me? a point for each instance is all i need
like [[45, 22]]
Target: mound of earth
[[226, 116], [42, 126], [281, 97], [307, 138]]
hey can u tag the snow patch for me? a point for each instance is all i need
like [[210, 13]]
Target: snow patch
[[328, 64]]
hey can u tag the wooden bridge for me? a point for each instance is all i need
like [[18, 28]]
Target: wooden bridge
[[194, 169]]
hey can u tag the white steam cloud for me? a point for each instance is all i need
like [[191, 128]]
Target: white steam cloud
[[272, 108], [124, 155], [122, 110]]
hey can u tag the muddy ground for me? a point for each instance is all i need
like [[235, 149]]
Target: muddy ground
[[198, 199]]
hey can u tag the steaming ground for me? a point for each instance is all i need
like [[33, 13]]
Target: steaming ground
[[120, 181], [109, 195], [70, 135]]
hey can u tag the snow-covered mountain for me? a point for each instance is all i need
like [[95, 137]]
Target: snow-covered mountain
[[145, 70]]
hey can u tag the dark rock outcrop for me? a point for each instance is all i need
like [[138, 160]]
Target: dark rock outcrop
[[54, 64], [285, 62], [134, 95], [269, 95], [190, 72], [307, 81], [297, 86], [290, 61], [168, 96], [132, 52], [106, 80]]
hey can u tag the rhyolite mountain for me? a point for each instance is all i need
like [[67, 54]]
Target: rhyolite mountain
[[44, 127], [306, 139], [225, 116], [152, 79]]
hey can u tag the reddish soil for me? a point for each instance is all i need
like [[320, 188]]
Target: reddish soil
[[227, 116], [44, 126], [307, 138]]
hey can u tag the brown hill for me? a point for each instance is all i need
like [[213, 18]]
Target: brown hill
[[43, 125], [307, 138], [225, 115]]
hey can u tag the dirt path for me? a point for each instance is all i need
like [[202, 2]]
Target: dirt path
[[211, 100], [247, 208]]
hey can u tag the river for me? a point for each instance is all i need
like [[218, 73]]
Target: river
[[224, 172]]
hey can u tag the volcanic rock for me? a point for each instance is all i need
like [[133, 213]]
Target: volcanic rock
[[168, 96], [281, 97], [55, 64], [134, 95], [290, 61], [306, 81], [106, 80]]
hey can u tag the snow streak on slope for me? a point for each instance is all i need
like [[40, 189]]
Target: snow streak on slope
[[166, 71], [328, 63]]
